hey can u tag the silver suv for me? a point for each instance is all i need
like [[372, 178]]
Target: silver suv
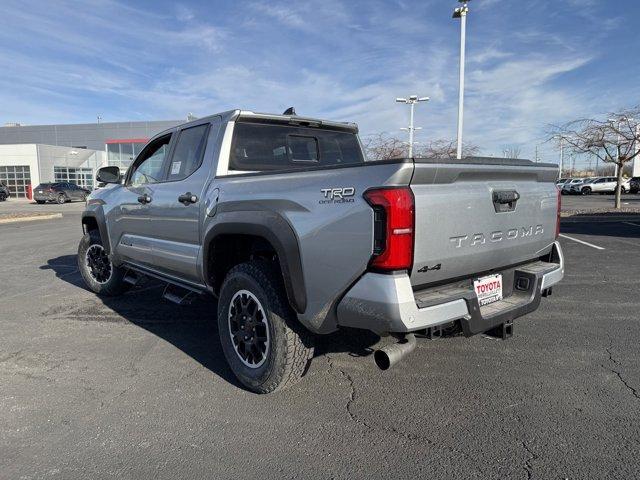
[[298, 234]]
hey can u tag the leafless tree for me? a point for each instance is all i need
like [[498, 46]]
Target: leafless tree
[[512, 151], [612, 140], [445, 149], [382, 146]]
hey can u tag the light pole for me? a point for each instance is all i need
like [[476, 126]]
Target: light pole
[[461, 13], [411, 101]]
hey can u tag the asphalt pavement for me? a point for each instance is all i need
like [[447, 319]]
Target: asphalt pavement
[[136, 387], [595, 201]]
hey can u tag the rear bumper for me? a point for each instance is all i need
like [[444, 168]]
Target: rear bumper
[[387, 303], [47, 197]]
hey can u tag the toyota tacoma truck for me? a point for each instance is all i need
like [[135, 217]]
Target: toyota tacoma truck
[[298, 234]]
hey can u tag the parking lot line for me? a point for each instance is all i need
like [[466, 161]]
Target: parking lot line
[[631, 223], [582, 242]]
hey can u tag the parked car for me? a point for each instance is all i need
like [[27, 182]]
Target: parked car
[[634, 185], [286, 222], [604, 185], [566, 186], [4, 192], [561, 182], [59, 192], [576, 188]]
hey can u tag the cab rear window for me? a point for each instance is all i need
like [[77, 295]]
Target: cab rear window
[[266, 147]]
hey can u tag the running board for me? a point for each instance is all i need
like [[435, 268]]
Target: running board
[[132, 278], [178, 295]]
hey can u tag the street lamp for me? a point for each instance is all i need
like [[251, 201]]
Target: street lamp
[[411, 101], [461, 13]]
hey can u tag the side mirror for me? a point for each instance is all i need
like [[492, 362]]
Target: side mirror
[[108, 175]]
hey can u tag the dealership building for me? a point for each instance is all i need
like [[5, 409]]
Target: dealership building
[[34, 154]]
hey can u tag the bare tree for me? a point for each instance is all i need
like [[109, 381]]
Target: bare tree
[[612, 140], [512, 151], [382, 146], [446, 149]]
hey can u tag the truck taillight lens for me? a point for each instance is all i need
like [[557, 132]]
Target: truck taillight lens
[[558, 214], [394, 219]]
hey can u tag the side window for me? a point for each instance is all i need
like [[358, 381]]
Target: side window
[[148, 167], [187, 156]]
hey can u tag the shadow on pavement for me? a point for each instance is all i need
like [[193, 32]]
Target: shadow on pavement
[[191, 328], [603, 229]]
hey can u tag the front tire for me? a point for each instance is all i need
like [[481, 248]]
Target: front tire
[[265, 346], [586, 191], [98, 273]]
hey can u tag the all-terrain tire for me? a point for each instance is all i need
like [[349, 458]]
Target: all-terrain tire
[[110, 285], [289, 351]]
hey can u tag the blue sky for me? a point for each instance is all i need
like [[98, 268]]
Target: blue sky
[[530, 63]]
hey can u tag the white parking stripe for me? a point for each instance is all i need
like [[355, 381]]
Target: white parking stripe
[[582, 242], [631, 223]]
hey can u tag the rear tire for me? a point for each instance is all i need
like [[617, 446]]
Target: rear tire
[[97, 271], [262, 340], [586, 191], [61, 199]]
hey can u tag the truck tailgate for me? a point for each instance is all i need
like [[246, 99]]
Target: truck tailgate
[[477, 215]]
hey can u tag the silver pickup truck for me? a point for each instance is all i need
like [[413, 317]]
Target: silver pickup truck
[[296, 233]]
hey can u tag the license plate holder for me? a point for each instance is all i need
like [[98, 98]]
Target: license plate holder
[[488, 289]]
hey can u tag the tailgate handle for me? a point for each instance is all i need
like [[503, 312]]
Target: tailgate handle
[[505, 200]]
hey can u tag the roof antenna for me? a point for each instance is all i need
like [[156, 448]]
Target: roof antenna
[[290, 111]]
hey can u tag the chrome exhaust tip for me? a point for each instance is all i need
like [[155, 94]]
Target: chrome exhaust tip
[[388, 356]]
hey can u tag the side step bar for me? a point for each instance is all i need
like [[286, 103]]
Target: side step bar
[[174, 291], [178, 295]]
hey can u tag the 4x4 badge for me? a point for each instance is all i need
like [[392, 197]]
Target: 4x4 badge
[[427, 268]]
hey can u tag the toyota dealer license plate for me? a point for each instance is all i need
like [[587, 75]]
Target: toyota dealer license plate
[[488, 289]]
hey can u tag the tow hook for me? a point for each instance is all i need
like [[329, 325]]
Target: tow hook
[[388, 356]]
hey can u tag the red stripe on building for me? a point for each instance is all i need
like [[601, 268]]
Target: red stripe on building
[[126, 140]]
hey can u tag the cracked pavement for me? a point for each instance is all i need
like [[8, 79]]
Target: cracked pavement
[[136, 387]]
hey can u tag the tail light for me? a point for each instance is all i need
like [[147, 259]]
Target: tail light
[[394, 221], [558, 214]]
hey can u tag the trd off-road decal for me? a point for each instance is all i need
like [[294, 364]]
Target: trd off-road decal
[[337, 195]]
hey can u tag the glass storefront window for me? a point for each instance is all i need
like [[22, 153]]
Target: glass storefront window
[[16, 178], [122, 154], [82, 177]]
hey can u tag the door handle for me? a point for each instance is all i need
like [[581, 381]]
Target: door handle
[[187, 198], [144, 199]]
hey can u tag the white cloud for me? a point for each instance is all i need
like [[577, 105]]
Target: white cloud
[[334, 59]]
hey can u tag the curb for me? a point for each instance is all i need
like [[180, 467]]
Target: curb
[[30, 219]]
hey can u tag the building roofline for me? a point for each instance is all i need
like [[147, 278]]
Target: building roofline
[[17, 127]]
